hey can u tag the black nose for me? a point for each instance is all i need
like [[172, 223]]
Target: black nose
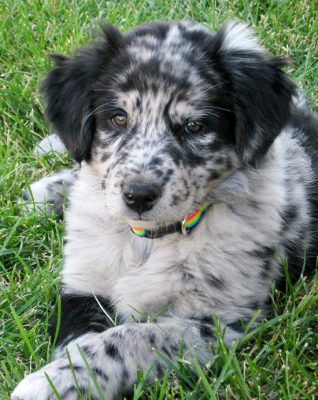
[[140, 196]]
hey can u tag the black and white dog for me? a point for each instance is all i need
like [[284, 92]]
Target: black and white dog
[[198, 178]]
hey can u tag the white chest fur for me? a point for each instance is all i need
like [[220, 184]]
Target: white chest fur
[[219, 267]]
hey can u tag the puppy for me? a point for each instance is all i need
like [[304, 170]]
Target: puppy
[[197, 180]]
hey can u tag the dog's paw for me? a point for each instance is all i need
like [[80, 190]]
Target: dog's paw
[[44, 196], [38, 386], [34, 387], [49, 193], [51, 143]]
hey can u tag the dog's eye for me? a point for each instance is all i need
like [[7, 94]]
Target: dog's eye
[[192, 127], [119, 120]]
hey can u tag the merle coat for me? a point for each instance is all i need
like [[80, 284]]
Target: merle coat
[[163, 120]]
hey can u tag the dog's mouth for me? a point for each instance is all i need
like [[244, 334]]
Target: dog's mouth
[[153, 220], [144, 223]]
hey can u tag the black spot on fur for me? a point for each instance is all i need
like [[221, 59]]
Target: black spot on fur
[[81, 314], [238, 326], [199, 38], [206, 331], [168, 175], [72, 389], [217, 282], [174, 348], [175, 200], [255, 305], [298, 260], [76, 368], [141, 78], [264, 257], [117, 335], [175, 154], [166, 351], [265, 268], [111, 350], [158, 173], [219, 160], [186, 275], [105, 156], [152, 340], [157, 29], [125, 373], [138, 102], [101, 374], [263, 252], [213, 175], [289, 215], [59, 182], [88, 352], [155, 162], [159, 370]]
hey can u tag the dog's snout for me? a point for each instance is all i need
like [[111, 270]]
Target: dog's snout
[[141, 196]]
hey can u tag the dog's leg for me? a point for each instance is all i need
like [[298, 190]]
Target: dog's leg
[[49, 194], [51, 143], [115, 355]]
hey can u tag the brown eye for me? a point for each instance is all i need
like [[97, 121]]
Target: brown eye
[[192, 127], [119, 120]]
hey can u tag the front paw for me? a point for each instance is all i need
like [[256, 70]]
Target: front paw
[[37, 386], [33, 387]]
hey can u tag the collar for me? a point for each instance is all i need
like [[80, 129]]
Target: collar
[[184, 227]]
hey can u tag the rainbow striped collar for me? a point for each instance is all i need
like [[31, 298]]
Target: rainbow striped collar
[[184, 227]]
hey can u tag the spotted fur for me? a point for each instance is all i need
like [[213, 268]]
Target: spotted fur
[[253, 160]]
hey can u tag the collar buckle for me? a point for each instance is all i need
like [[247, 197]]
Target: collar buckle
[[184, 230]]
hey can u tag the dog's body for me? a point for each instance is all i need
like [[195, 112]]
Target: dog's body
[[171, 120]]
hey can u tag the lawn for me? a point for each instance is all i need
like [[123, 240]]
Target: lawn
[[278, 360]]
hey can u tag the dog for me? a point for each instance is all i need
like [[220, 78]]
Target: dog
[[197, 179]]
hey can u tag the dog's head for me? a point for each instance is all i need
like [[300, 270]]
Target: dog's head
[[166, 113]]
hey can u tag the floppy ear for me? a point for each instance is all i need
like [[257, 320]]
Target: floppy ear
[[261, 92], [69, 90]]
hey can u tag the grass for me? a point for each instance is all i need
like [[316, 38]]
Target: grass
[[279, 360]]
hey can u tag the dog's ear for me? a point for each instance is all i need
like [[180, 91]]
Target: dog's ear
[[260, 91], [69, 89]]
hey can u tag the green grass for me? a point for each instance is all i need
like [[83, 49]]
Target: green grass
[[279, 361]]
